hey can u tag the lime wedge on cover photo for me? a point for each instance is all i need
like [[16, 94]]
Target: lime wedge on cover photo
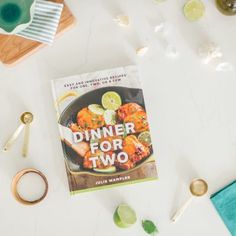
[[107, 170], [145, 138], [111, 100], [124, 216], [194, 10], [96, 109], [110, 117]]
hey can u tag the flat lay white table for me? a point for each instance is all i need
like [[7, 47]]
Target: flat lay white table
[[191, 107]]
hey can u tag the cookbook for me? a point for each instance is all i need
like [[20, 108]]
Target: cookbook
[[104, 129]]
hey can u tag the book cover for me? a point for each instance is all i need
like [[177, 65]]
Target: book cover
[[104, 129]]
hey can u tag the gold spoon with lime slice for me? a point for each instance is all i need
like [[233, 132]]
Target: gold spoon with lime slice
[[197, 188]]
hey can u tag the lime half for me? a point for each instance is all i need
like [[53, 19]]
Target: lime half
[[194, 10], [145, 138], [111, 100], [124, 216], [96, 109], [110, 117]]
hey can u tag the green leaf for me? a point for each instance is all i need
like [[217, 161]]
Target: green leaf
[[149, 227]]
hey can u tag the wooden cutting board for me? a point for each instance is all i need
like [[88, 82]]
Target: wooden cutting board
[[14, 48]]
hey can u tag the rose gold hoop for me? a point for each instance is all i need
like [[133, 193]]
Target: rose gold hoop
[[17, 178]]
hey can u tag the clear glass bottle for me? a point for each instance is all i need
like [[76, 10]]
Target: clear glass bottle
[[227, 7]]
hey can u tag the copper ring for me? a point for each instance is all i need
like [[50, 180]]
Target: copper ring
[[16, 179]]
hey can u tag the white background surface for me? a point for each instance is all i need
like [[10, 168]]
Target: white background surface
[[191, 110]]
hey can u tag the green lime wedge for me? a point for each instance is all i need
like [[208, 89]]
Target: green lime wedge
[[96, 109], [194, 10], [110, 117], [108, 170], [124, 216], [111, 100], [145, 138]]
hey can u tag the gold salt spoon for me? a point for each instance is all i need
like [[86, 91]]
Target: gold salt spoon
[[198, 188], [26, 118]]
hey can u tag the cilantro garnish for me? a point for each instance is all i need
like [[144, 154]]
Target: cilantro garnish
[[149, 227]]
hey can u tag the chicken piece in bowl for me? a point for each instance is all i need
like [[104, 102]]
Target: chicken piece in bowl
[[89, 120], [135, 149], [127, 110], [134, 113], [139, 119], [88, 164]]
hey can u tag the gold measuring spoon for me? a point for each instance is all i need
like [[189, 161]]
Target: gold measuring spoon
[[27, 120], [25, 117], [198, 188]]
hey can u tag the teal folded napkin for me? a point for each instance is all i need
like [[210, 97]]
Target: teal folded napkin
[[225, 204]]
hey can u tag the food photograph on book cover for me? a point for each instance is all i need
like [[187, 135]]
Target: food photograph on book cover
[[104, 129]]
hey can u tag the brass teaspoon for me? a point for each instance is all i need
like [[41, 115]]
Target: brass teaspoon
[[198, 188], [25, 118]]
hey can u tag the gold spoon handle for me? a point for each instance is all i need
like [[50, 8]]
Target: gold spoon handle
[[180, 212], [13, 138], [26, 141]]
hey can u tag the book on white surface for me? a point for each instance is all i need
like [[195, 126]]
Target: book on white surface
[[104, 129]]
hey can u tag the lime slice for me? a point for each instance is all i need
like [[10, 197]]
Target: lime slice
[[110, 117], [124, 216], [96, 109], [108, 170], [194, 10], [111, 100], [145, 138]]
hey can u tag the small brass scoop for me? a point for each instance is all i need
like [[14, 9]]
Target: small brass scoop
[[197, 188], [26, 119]]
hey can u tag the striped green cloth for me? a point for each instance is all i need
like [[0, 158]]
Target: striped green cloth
[[45, 22]]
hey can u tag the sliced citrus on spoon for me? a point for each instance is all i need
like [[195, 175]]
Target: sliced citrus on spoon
[[111, 100], [194, 10]]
